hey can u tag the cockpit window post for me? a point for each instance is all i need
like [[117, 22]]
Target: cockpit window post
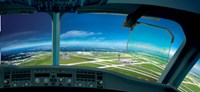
[[183, 66], [55, 37], [0, 56], [0, 33], [0, 23]]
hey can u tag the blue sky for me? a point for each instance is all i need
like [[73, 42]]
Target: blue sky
[[20, 31], [95, 26], [93, 29], [35, 29], [108, 28], [25, 30]]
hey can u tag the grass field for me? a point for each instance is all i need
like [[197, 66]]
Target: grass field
[[142, 70], [189, 88], [151, 67], [47, 60], [189, 85], [145, 67], [42, 60], [131, 74], [89, 65], [73, 59]]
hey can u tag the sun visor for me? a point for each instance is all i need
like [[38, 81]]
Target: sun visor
[[132, 17]]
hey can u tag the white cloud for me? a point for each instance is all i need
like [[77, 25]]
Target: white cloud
[[172, 52], [17, 34], [25, 45], [104, 44], [77, 33], [10, 42], [196, 67]]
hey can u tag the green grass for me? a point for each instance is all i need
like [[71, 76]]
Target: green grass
[[151, 57], [47, 60], [108, 58], [131, 74], [187, 79], [157, 59], [141, 69], [43, 60], [89, 65], [195, 88], [195, 78], [109, 62], [192, 87], [74, 59], [183, 87], [104, 55], [139, 60], [151, 67], [90, 56]]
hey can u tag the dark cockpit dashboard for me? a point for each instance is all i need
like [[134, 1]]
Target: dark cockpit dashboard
[[61, 78]]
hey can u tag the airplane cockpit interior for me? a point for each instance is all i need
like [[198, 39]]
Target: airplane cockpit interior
[[100, 45]]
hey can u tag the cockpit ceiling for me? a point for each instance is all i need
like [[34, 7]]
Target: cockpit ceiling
[[82, 6], [186, 5]]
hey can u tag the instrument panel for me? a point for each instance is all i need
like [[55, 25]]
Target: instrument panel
[[74, 77], [24, 77]]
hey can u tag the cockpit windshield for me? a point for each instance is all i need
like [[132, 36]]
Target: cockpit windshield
[[90, 40]]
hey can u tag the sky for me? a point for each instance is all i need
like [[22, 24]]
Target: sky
[[104, 30], [196, 68], [32, 30], [20, 31], [99, 27], [25, 30]]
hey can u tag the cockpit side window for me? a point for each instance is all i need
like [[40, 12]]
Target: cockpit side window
[[191, 83], [26, 39]]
